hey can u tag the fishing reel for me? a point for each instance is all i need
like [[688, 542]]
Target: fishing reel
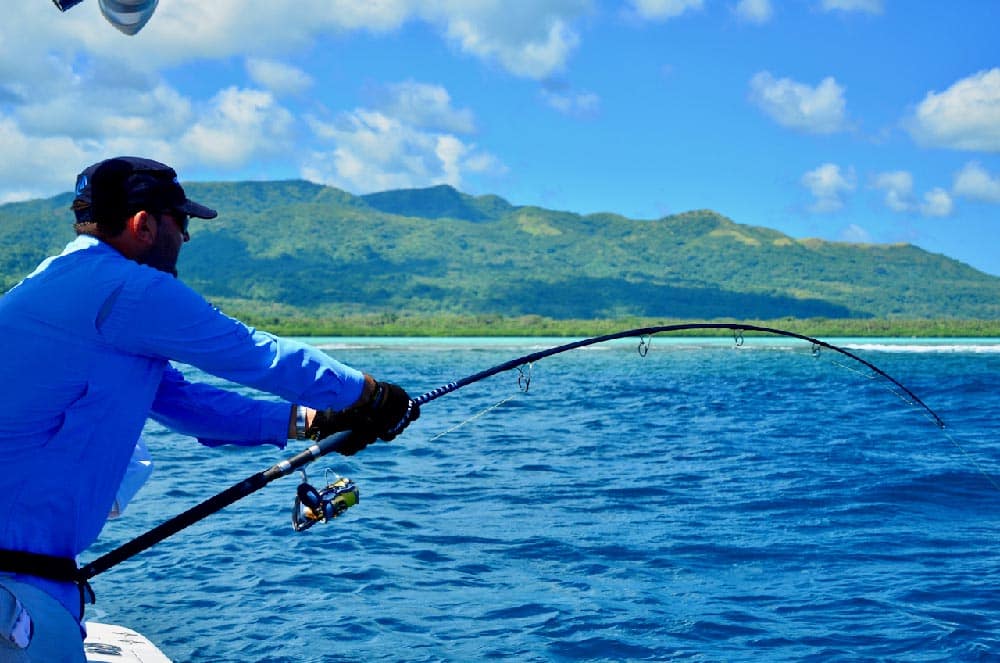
[[318, 506]]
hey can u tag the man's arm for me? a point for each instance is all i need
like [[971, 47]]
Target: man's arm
[[219, 416], [167, 319]]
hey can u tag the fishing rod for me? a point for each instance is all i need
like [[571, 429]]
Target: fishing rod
[[641, 332], [312, 505]]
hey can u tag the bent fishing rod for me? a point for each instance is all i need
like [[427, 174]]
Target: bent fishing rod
[[336, 497]]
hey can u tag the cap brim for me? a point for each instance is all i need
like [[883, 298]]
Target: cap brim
[[200, 211]]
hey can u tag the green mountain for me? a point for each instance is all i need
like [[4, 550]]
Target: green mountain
[[437, 250], [438, 202]]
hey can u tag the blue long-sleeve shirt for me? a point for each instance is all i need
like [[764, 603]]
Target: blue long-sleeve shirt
[[88, 338]]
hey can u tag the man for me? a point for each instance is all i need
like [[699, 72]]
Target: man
[[89, 335]]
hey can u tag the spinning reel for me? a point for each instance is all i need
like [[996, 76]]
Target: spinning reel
[[318, 506]]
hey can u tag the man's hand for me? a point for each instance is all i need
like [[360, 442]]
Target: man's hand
[[385, 414]]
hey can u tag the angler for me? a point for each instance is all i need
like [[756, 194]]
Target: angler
[[92, 332]]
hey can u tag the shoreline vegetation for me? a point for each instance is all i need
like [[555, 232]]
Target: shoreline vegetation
[[453, 325]]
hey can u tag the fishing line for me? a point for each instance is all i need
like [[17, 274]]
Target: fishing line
[[972, 459], [873, 377], [968, 455], [473, 417], [523, 383]]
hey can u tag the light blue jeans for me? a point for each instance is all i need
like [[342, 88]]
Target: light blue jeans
[[53, 635]]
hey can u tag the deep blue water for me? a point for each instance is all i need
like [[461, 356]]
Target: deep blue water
[[702, 503]]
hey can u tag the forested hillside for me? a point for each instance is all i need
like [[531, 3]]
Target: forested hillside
[[318, 249]]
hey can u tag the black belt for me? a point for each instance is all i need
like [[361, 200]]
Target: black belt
[[61, 569], [35, 564]]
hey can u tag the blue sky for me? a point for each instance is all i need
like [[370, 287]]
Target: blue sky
[[849, 120]]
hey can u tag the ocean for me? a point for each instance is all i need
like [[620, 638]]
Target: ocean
[[704, 502]]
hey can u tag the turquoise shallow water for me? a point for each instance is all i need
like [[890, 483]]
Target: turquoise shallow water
[[703, 503]]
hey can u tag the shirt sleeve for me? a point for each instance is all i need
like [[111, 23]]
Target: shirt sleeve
[[218, 416], [158, 316]]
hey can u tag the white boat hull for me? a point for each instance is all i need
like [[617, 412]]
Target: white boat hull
[[108, 643]]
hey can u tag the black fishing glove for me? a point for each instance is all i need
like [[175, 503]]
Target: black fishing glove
[[384, 415]]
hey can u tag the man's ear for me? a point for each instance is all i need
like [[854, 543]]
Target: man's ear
[[142, 227]]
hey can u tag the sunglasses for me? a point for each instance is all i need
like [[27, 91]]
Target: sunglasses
[[179, 217]]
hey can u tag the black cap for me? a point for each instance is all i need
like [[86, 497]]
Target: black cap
[[114, 188]]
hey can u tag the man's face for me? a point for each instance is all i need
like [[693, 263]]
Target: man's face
[[171, 234]]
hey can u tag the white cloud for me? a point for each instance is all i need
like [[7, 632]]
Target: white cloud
[[828, 184], [136, 113], [240, 125], [754, 11], [898, 187], [664, 9], [157, 111], [33, 167], [395, 146], [425, 106], [570, 102], [975, 182], [937, 202], [856, 234], [52, 65], [277, 76], [819, 109], [966, 116], [186, 30], [529, 39], [868, 6], [62, 110]]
